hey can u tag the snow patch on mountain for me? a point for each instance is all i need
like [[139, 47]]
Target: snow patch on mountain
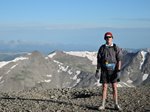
[[123, 84], [3, 63], [47, 80], [76, 75], [62, 67], [1, 77], [77, 81], [97, 83], [90, 55], [52, 55], [70, 72], [55, 61], [143, 53], [49, 75], [11, 68], [75, 78], [145, 76], [19, 58], [129, 81]]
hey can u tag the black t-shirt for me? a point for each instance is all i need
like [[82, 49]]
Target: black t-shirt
[[109, 54]]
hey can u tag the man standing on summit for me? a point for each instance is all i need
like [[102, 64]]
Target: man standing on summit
[[109, 61]]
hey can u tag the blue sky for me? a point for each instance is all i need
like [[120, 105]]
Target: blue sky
[[75, 22]]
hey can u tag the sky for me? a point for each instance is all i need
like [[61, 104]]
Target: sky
[[75, 24]]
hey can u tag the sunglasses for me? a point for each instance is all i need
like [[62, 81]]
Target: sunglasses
[[108, 37]]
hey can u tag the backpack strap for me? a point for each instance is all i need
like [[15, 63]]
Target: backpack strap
[[115, 47]]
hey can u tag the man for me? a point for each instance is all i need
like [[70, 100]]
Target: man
[[109, 61]]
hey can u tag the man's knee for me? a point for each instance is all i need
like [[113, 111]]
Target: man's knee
[[114, 86], [105, 86]]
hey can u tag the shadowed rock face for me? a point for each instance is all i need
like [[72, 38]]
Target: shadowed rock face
[[62, 70], [136, 67], [75, 99]]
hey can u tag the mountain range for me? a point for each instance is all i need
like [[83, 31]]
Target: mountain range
[[74, 69]]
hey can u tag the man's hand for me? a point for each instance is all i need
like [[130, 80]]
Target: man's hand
[[117, 71], [97, 74]]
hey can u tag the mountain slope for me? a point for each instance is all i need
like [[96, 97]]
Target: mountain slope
[[68, 70]]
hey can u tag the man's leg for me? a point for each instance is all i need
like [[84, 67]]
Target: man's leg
[[115, 93], [104, 92], [115, 96]]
